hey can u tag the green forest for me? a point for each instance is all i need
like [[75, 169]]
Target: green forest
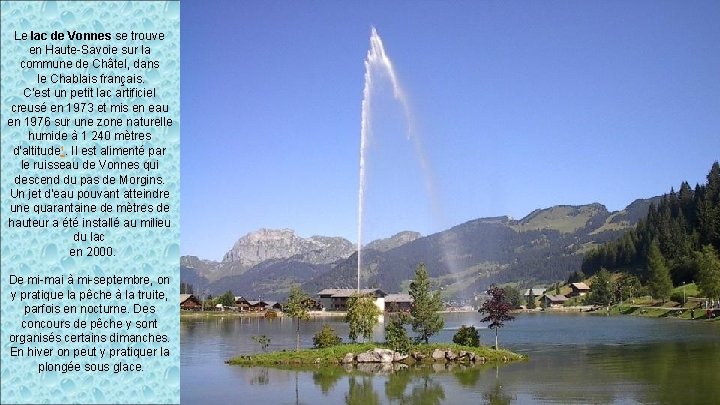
[[680, 236]]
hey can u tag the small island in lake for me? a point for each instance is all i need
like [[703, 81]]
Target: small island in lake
[[363, 315], [379, 353]]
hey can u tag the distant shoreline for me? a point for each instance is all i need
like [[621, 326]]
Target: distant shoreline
[[633, 310]]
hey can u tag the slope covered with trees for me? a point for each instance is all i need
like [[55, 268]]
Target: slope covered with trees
[[684, 225]]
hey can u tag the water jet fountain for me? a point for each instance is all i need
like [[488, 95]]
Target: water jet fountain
[[376, 59], [378, 62]]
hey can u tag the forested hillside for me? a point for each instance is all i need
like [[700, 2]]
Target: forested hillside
[[682, 224]]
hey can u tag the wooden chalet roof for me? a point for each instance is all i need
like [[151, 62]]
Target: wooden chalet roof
[[580, 286], [185, 297], [535, 291], [556, 298]]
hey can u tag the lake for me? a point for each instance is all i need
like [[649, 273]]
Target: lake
[[574, 358]]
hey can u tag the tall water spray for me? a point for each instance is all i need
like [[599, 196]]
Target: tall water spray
[[376, 60]]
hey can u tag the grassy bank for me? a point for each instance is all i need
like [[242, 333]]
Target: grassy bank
[[663, 312], [333, 355]]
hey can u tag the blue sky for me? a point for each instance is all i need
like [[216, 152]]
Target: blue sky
[[519, 105]]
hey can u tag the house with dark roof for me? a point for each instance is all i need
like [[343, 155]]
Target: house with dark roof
[[578, 289], [553, 301], [257, 306], [242, 304], [189, 302], [335, 299], [536, 292], [273, 305], [398, 302]]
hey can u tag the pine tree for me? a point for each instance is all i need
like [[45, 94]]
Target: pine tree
[[531, 300], [227, 299], [602, 288], [425, 311], [659, 281]]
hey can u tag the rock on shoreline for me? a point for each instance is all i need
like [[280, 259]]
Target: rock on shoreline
[[378, 355]]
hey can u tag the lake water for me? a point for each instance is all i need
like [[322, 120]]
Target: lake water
[[574, 358]]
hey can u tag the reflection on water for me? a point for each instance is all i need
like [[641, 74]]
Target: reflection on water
[[573, 359], [327, 377], [497, 396], [361, 392], [260, 376]]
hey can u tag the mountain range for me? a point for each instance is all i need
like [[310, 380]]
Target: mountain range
[[545, 246]]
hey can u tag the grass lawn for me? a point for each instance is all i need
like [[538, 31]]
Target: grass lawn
[[662, 312]]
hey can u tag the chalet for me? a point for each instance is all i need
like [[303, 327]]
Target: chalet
[[256, 306], [335, 299], [579, 289], [189, 302], [553, 301], [242, 304], [536, 292], [274, 305], [398, 302]]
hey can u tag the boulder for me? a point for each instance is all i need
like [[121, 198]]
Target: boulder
[[418, 356], [384, 355], [438, 355], [450, 355], [463, 354], [397, 356], [349, 358], [368, 357]]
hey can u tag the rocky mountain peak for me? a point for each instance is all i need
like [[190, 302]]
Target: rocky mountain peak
[[272, 244]]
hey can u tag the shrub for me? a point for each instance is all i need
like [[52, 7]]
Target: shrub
[[326, 337], [263, 341], [271, 314], [467, 336], [678, 297], [396, 336]]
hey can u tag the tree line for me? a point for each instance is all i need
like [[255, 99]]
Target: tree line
[[679, 239]]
